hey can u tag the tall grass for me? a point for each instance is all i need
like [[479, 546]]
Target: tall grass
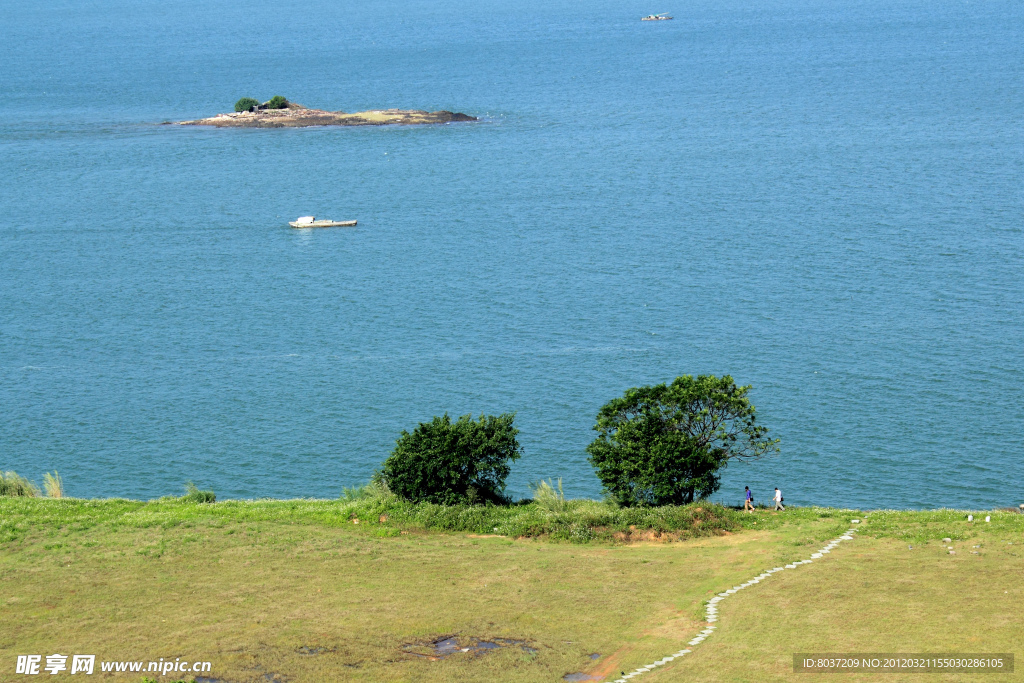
[[53, 485], [12, 484], [547, 498], [376, 490]]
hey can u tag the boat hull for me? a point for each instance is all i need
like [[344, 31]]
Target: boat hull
[[323, 224]]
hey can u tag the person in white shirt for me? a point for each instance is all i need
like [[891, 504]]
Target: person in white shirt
[[778, 499]]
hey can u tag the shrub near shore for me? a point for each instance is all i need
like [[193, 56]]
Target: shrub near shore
[[382, 514]]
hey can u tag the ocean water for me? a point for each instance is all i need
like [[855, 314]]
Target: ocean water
[[822, 198]]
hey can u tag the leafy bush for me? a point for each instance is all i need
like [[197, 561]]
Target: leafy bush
[[448, 463], [277, 102], [580, 521], [194, 495], [664, 444], [245, 104], [11, 484]]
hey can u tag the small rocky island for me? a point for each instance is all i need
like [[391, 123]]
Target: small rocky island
[[280, 113]]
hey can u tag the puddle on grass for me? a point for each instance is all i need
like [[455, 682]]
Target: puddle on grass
[[580, 676], [446, 647], [310, 650]]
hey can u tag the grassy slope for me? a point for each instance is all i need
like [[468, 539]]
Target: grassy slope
[[249, 586], [894, 589]]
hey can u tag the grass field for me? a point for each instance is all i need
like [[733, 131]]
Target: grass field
[[298, 591]]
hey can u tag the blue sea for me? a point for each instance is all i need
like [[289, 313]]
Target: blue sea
[[822, 198]]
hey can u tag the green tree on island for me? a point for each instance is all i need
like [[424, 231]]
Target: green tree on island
[[277, 102], [449, 463], [246, 104], [664, 444]]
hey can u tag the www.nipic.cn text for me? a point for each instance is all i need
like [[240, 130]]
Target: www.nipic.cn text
[[34, 665]]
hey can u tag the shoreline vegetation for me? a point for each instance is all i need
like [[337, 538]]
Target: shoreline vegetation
[[373, 511]]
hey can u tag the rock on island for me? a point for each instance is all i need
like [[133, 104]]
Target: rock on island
[[297, 116]]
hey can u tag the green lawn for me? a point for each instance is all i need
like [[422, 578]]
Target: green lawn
[[296, 591]]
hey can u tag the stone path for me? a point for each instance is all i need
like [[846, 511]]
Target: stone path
[[711, 615]]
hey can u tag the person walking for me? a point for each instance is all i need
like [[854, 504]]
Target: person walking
[[778, 499], [748, 501]]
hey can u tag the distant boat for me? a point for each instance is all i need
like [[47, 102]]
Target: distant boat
[[656, 17], [311, 222]]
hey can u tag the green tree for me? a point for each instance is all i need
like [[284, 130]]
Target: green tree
[[665, 444], [245, 104], [449, 462], [277, 102]]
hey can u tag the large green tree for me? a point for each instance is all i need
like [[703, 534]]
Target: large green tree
[[665, 444], [448, 462]]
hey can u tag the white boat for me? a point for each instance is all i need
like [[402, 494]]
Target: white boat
[[312, 222], [656, 17]]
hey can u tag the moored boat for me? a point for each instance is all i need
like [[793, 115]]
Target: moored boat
[[311, 222], [656, 17]]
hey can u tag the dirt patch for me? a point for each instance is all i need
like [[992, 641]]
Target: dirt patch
[[636, 536]]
